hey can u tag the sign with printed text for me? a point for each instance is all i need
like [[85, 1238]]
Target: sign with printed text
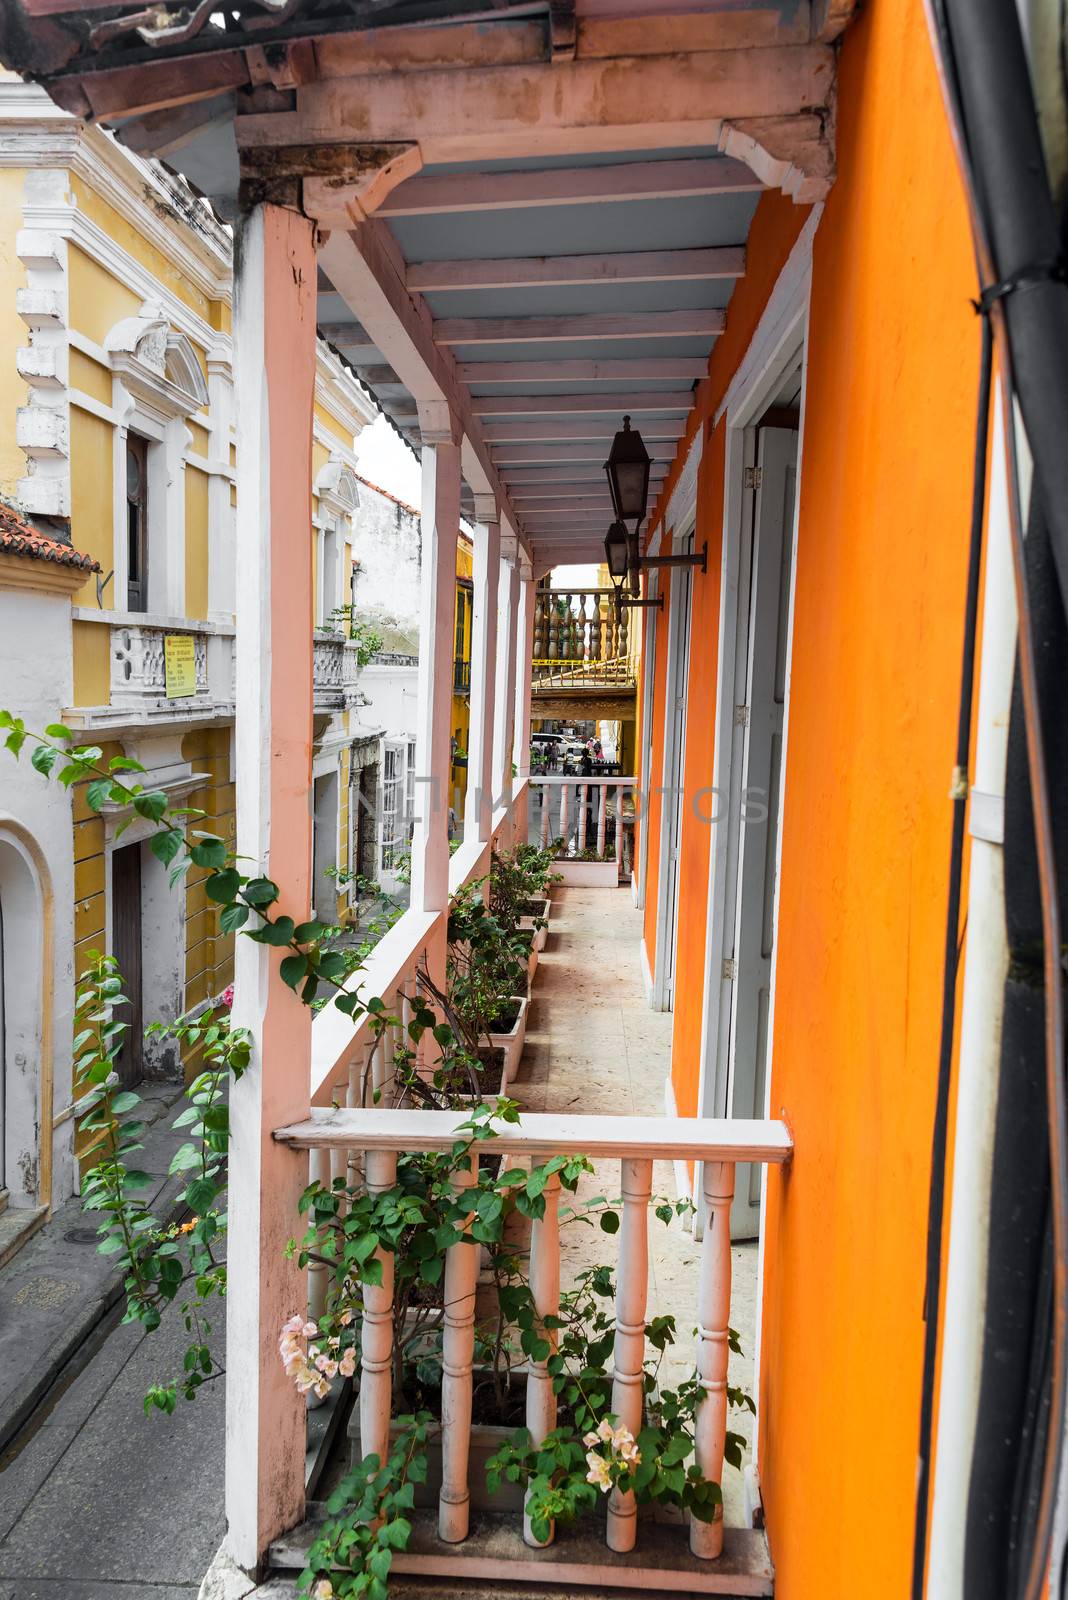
[[179, 665]]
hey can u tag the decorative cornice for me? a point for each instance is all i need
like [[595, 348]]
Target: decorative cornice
[[34, 132]]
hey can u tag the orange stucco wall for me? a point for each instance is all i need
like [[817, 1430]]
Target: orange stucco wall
[[880, 577], [882, 551]]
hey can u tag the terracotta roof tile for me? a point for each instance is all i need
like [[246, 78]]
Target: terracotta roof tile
[[20, 538]]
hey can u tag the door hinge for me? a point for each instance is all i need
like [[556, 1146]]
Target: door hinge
[[753, 475], [741, 716], [730, 970]]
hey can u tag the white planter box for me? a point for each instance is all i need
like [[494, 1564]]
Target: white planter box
[[588, 874], [512, 1043]]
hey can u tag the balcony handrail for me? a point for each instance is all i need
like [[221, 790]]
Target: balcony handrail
[[547, 779], [339, 1045], [544, 1134]]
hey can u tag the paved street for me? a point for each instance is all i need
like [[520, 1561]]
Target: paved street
[[104, 1503]]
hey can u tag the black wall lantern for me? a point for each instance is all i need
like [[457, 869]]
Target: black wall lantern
[[616, 552], [628, 475], [628, 483]]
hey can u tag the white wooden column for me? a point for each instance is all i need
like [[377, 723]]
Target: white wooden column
[[524, 671], [433, 757], [478, 816], [265, 1416], [632, 1295], [713, 1350], [504, 709], [523, 680]]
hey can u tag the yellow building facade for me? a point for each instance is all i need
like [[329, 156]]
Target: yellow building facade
[[117, 439]]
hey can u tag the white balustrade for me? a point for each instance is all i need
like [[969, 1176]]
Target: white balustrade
[[558, 793], [545, 1290], [632, 1295], [636, 1142], [376, 1335], [457, 1358]]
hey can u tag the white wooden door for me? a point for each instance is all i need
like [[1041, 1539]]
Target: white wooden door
[[682, 595], [760, 721]]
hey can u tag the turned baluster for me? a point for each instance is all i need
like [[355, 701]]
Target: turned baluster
[[545, 1289], [713, 1352], [554, 630], [583, 796], [619, 830], [564, 793], [546, 794], [376, 1336], [457, 1356], [318, 1276], [602, 819], [632, 1290], [621, 632], [607, 634], [354, 1162], [539, 627], [594, 652]]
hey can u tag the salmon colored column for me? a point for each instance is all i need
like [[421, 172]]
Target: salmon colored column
[[275, 360]]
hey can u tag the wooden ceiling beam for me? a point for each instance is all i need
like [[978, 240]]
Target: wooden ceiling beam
[[551, 453], [441, 193], [563, 108], [577, 427], [635, 369], [558, 405], [548, 330], [639, 266]]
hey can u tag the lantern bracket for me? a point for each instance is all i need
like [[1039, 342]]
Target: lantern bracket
[[696, 559]]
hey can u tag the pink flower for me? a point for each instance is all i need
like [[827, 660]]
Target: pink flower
[[347, 1365], [227, 999]]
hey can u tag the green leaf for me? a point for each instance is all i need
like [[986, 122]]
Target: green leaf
[[125, 1101], [232, 917], [209, 852], [97, 793], [609, 1222], [223, 886], [293, 969], [152, 804], [165, 846], [44, 758], [308, 932], [278, 934], [122, 763], [57, 730], [259, 891]]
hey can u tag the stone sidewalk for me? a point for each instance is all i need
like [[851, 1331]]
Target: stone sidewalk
[[96, 1499], [57, 1290], [104, 1503]]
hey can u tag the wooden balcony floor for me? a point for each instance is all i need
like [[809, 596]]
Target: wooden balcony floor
[[593, 1046]]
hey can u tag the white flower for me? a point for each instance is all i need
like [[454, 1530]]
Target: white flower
[[604, 1430], [588, 1439], [324, 1590], [598, 1473], [347, 1365]]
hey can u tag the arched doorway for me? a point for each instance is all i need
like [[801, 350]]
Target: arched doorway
[[25, 1045]]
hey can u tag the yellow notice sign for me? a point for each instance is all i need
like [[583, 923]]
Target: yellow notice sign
[[179, 665]]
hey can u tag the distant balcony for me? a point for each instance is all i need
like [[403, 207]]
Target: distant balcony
[[461, 676], [335, 672], [161, 671]]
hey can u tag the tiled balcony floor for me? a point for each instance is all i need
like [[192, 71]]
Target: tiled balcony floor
[[593, 1046]]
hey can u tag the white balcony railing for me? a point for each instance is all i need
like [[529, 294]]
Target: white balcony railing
[[335, 671], [589, 817], [369, 1141], [160, 670]]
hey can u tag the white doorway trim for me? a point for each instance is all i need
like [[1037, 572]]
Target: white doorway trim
[[779, 337]]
